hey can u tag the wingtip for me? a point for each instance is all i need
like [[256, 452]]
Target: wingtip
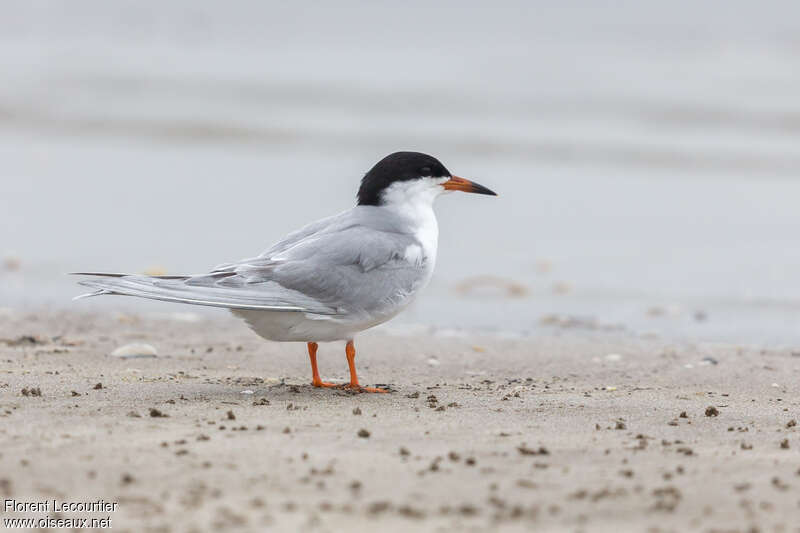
[[102, 274], [98, 292]]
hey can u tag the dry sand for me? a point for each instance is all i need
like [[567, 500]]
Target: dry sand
[[569, 430]]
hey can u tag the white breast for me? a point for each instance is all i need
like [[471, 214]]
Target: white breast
[[413, 201], [427, 233]]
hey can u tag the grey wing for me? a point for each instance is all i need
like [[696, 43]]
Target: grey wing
[[358, 269], [334, 266], [354, 261], [231, 285], [211, 290], [353, 269]]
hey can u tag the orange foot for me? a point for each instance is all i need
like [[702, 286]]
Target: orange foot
[[324, 384], [359, 389]]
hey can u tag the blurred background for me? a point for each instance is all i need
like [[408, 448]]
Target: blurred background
[[647, 154]]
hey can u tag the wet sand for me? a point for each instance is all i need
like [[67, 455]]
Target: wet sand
[[567, 430]]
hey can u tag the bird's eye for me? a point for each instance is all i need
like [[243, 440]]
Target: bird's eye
[[425, 171]]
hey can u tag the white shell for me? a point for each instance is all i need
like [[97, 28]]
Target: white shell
[[135, 350]]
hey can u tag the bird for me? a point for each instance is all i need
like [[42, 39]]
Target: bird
[[332, 278]]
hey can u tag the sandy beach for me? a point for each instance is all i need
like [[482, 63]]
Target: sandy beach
[[567, 430]]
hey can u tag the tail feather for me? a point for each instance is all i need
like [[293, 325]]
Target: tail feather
[[118, 275]]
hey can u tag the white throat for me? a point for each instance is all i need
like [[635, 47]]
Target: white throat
[[413, 200]]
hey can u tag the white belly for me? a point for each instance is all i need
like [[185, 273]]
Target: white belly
[[285, 326]]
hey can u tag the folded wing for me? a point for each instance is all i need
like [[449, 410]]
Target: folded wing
[[338, 266]]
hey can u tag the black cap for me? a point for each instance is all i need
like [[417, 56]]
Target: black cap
[[399, 166]]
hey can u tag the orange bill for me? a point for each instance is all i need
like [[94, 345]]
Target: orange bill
[[460, 184]]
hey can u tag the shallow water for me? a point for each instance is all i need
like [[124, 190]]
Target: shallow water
[[646, 156]]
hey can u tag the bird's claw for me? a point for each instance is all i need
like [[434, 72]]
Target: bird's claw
[[358, 389], [325, 384]]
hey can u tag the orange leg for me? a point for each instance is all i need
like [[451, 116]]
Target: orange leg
[[315, 379], [350, 350]]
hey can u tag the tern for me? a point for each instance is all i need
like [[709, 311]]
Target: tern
[[333, 278]]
